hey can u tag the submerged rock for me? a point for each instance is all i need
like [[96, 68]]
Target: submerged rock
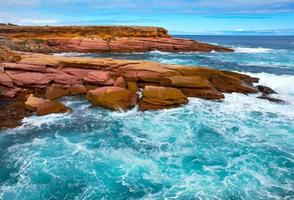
[[272, 99], [115, 98], [155, 97]]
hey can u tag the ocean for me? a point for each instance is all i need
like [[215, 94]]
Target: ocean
[[241, 148]]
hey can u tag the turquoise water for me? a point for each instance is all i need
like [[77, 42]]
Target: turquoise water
[[242, 148]]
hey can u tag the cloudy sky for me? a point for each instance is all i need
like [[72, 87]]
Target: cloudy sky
[[178, 16]]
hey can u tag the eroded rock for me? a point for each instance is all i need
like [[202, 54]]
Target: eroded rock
[[45, 106], [115, 98], [155, 97]]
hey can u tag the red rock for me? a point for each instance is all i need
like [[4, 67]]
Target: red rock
[[155, 97], [5, 80], [30, 79], [25, 67], [97, 76], [132, 86], [53, 93], [49, 107], [203, 93], [77, 89], [64, 78], [186, 81], [115, 98], [229, 84], [9, 92], [120, 82], [45, 107]]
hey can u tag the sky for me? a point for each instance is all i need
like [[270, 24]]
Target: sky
[[216, 17]]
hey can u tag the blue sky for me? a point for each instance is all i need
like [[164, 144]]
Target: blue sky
[[178, 16]]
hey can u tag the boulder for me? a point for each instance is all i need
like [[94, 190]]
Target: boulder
[[49, 107], [265, 90], [272, 99], [132, 86], [157, 97], [44, 106], [77, 89], [115, 98], [227, 83], [55, 92], [120, 82]]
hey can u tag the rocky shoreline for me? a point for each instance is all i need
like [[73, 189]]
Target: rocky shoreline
[[48, 39], [33, 83]]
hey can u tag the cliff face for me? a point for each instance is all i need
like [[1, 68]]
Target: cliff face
[[47, 39]]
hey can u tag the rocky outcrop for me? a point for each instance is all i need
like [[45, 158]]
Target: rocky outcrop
[[6, 55], [115, 98], [266, 92], [114, 84], [98, 39], [45, 107], [155, 97]]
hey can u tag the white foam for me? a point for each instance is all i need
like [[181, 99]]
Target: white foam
[[283, 84], [252, 50], [160, 52], [71, 54]]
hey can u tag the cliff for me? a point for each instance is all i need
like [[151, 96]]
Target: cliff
[[52, 39]]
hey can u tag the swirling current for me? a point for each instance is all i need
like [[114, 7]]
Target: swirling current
[[242, 148]]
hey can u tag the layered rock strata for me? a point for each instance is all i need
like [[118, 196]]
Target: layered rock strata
[[48, 39], [114, 84]]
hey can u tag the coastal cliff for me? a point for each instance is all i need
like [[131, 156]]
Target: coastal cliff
[[54, 39]]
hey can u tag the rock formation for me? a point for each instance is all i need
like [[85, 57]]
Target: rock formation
[[113, 83], [33, 82], [48, 39]]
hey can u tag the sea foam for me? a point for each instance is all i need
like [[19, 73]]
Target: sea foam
[[253, 50]]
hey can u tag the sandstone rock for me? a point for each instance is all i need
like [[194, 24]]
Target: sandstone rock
[[132, 86], [101, 39], [115, 98], [5, 80], [155, 97], [53, 93], [229, 84], [6, 55], [30, 79], [44, 106], [77, 89], [203, 93], [120, 82], [186, 81], [64, 78], [9, 92], [49, 107], [26, 67]]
